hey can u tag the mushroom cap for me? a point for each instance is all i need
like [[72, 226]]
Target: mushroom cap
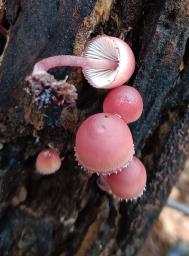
[[126, 101], [48, 161], [104, 144], [130, 182], [113, 49]]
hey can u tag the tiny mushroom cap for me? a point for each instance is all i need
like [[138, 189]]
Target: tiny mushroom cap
[[128, 184], [104, 144], [112, 49], [48, 161], [126, 101]]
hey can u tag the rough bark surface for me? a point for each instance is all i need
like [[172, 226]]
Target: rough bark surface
[[66, 213]]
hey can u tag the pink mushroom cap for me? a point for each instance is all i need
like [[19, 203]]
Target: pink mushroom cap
[[104, 144], [48, 161], [130, 182], [113, 49], [126, 101]]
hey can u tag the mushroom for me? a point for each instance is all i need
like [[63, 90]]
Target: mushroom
[[48, 161], [125, 101], [107, 62], [104, 144], [129, 184]]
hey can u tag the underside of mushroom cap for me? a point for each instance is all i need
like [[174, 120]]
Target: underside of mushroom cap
[[113, 49]]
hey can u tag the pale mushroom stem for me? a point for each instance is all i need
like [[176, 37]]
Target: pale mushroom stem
[[74, 61]]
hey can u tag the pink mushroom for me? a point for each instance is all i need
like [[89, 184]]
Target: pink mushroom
[[48, 161], [126, 101], [128, 184], [107, 62], [104, 144]]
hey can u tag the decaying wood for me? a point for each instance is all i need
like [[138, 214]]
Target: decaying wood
[[66, 213]]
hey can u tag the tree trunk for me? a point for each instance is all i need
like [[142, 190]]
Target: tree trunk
[[66, 213]]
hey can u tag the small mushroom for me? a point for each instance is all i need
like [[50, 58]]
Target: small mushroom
[[48, 161], [107, 62], [129, 184], [125, 101], [104, 144]]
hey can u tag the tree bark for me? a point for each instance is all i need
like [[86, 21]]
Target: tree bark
[[66, 213]]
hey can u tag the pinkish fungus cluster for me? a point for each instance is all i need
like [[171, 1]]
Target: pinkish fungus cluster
[[104, 143]]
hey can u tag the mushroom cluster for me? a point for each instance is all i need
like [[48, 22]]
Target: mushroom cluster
[[104, 143]]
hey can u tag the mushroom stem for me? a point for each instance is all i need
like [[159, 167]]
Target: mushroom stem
[[74, 61]]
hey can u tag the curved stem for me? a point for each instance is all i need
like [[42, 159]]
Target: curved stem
[[74, 61]]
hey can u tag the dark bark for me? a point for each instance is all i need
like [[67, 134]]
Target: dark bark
[[66, 213]]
